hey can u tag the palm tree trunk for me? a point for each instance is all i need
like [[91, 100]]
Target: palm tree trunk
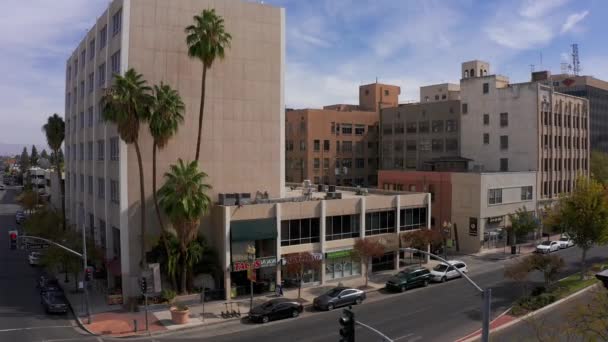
[[200, 114], [184, 274], [61, 188], [143, 205]]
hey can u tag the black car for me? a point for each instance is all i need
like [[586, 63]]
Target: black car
[[51, 285], [409, 278], [54, 302], [275, 309], [338, 296]]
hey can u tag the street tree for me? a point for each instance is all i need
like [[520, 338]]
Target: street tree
[[584, 214], [523, 222], [28, 199], [548, 265], [365, 250], [519, 271], [297, 264], [34, 156], [54, 130], [207, 41], [44, 154], [599, 167], [127, 104], [184, 200], [24, 160], [421, 239]]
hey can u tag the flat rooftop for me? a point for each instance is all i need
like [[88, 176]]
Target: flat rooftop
[[297, 191]]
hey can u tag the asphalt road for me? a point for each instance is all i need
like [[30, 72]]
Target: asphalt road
[[440, 312], [22, 317]]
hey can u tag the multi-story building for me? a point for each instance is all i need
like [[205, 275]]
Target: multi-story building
[[338, 144], [414, 135], [523, 127], [242, 148], [594, 90]]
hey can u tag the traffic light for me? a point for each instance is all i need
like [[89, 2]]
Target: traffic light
[[88, 272], [13, 239], [347, 326], [143, 283]]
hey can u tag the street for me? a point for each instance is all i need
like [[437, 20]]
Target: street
[[22, 317]]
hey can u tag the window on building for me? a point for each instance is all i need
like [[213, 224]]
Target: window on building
[[342, 227], [359, 129], [451, 126], [114, 151], [316, 163], [92, 49], [114, 192], [81, 151], [412, 218], [526, 193], [486, 88], [398, 146], [436, 97], [451, 144], [504, 164], [101, 75], [75, 67], [301, 231], [90, 150], [337, 146], [465, 108], [387, 129], [73, 151], [115, 62], [116, 22], [325, 163], [437, 126], [423, 127], [75, 93], [380, 222], [81, 182], [90, 117], [91, 82], [386, 93], [326, 145], [316, 145], [494, 196], [360, 163], [504, 119], [424, 145], [81, 89], [347, 146], [347, 128], [486, 119], [103, 37], [69, 73], [302, 145], [101, 188], [410, 145], [410, 127], [90, 185], [504, 142], [347, 163], [486, 138], [100, 150], [83, 58], [437, 145]]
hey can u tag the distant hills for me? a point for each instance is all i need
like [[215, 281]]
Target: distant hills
[[15, 149]]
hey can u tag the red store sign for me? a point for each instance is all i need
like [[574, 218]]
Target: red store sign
[[238, 266]]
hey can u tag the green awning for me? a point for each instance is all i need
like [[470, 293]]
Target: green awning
[[251, 230]]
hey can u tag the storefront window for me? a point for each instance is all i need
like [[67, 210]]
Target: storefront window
[[341, 264], [380, 222], [384, 263]]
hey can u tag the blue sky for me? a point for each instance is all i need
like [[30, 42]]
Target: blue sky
[[332, 47]]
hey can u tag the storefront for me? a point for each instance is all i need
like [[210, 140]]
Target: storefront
[[494, 234], [305, 266], [341, 264], [391, 248]]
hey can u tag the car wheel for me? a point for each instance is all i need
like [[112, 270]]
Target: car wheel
[[295, 313], [358, 300], [443, 279], [265, 319], [402, 288], [330, 307], [426, 283]]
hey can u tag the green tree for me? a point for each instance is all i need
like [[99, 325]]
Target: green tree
[[166, 115], [207, 40], [584, 214], [44, 154], [519, 272], [548, 265], [24, 161], [523, 222], [184, 200], [34, 156], [599, 167], [365, 250], [127, 104], [54, 130], [28, 199]]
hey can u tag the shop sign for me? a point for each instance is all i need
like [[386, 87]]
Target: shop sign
[[302, 257], [258, 263], [473, 226], [339, 254], [495, 219], [390, 243]]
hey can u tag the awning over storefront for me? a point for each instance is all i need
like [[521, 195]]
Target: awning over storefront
[[251, 230]]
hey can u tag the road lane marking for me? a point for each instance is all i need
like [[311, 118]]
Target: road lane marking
[[402, 337], [35, 328]]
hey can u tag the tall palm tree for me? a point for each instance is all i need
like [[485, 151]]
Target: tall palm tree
[[166, 115], [207, 39], [54, 129], [184, 200], [127, 104]]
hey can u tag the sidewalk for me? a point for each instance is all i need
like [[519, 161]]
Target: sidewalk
[[504, 253]]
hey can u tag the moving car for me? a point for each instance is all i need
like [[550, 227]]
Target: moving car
[[443, 271], [2, 187], [565, 242], [409, 278], [547, 247], [34, 258], [338, 296], [54, 302], [275, 309], [19, 216], [50, 285]]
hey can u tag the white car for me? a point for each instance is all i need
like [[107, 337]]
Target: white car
[[565, 242], [2, 187], [547, 247], [34, 258], [443, 271]]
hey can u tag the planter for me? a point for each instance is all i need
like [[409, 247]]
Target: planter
[[179, 316]]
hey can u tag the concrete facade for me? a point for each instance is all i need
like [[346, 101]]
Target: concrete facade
[[242, 144]]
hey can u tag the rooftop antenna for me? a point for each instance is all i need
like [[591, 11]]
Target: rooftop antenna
[[541, 59], [576, 64], [531, 67], [564, 67]]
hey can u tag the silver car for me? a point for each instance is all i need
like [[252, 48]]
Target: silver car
[[338, 296]]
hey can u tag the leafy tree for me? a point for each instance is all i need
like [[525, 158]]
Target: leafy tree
[[127, 104], [548, 265], [366, 250], [207, 40], [519, 272], [523, 222], [24, 160], [421, 239], [584, 214], [54, 130], [298, 263], [28, 199], [599, 167], [34, 156], [184, 200]]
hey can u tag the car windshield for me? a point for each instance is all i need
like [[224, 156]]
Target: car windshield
[[440, 267], [334, 292], [564, 239], [546, 243]]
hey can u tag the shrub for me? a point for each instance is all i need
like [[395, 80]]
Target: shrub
[[168, 295]]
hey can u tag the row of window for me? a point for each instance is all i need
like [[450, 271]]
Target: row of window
[[504, 141], [495, 195], [568, 142], [101, 186], [347, 128], [103, 40], [78, 121], [71, 97], [570, 121], [345, 162], [567, 164], [504, 119], [434, 126], [79, 150], [557, 187], [435, 145]]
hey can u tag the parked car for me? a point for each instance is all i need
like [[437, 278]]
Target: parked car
[[19, 216], [2, 187], [50, 285], [54, 302], [443, 271], [409, 278], [275, 309], [565, 242], [34, 258], [547, 246], [338, 296]]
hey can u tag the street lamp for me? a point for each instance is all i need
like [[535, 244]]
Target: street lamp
[[447, 228], [251, 258]]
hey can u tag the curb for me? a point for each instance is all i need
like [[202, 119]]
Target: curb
[[528, 315], [81, 324]]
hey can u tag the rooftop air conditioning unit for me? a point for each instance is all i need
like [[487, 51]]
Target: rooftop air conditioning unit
[[227, 199], [332, 188], [243, 198], [307, 183]]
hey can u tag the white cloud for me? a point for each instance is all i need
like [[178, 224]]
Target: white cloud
[[520, 35], [300, 37], [538, 8], [572, 20]]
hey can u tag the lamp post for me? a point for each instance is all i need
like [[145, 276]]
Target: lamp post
[[251, 258], [447, 228]]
